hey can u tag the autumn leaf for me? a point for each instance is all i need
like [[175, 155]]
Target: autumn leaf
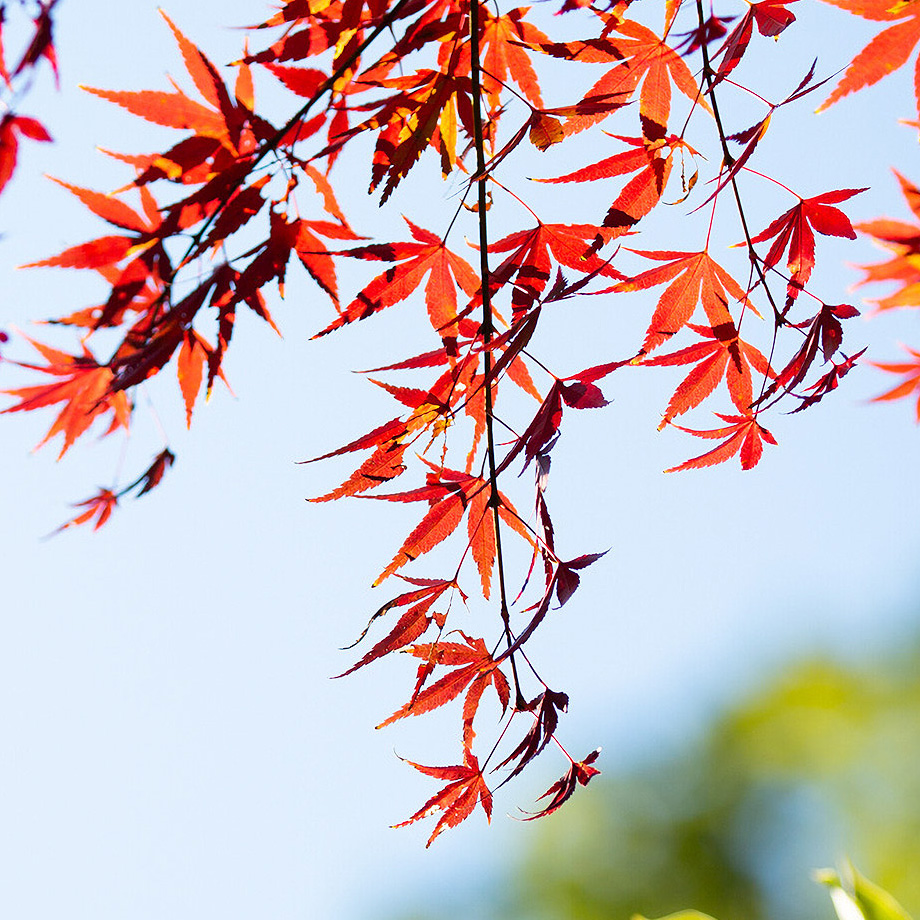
[[503, 56], [153, 475], [825, 333], [639, 56], [722, 354], [99, 508], [909, 385], [743, 434], [528, 265], [694, 278], [11, 126], [85, 388], [794, 230], [466, 788], [545, 709], [473, 670], [902, 239], [827, 383], [887, 52], [412, 624], [427, 256], [193, 356], [771, 17], [642, 193], [580, 773]]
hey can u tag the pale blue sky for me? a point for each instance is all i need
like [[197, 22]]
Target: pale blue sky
[[172, 743]]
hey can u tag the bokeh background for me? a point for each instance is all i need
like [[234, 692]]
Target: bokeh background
[[172, 743]]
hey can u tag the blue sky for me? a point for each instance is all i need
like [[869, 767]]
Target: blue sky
[[173, 744]]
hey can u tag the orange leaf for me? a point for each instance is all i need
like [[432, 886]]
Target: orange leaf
[[465, 789], [190, 369]]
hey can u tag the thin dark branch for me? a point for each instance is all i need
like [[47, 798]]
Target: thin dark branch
[[488, 329]]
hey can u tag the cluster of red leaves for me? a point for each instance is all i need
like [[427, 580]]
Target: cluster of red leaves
[[15, 80], [902, 239], [236, 200]]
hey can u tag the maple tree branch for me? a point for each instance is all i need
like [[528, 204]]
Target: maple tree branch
[[728, 159], [271, 145], [488, 329]]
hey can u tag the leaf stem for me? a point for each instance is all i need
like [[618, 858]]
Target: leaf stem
[[728, 159], [488, 328]]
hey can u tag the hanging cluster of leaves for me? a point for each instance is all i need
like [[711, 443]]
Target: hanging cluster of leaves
[[17, 71], [236, 204]]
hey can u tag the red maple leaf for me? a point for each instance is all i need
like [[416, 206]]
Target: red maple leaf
[[528, 265], [694, 278], [887, 52], [99, 506], [639, 56], [545, 709], [794, 229], [721, 354], [640, 195], [84, 386], [412, 624], [909, 385], [10, 127], [466, 787], [903, 239], [825, 333], [743, 434], [474, 670], [579, 773], [771, 17], [427, 256]]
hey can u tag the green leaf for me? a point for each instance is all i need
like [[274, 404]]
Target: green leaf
[[856, 898]]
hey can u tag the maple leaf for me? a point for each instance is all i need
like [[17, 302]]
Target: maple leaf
[[84, 386], [10, 127], [153, 475], [580, 773], [412, 624], [641, 57], [743, 434], [223, 118], [451, 494], [545, 709], [794, 229], [542, 431], [721, 354], [567, 578], [771, 17], [474, 669], [41, 44], [502, 39], [695, 277], [910, 385], [424, 111], [887, 52], [427, 256], [903, 239], [99, 506], [562, 583], [642, 193], [528, 265], [106, 252], [193, 355], [711, 30], [466, 788], [828, 383], [825, 333]]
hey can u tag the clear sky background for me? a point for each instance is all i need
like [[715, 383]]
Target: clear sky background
[[172, 744]]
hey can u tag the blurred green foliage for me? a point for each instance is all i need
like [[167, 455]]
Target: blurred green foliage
[[822, 763]]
